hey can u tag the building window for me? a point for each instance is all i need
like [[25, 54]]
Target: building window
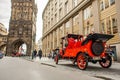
[[106, 3], [67, 27], [66, 7], [56, 19], [85, 14], [88, 12], [92, 28], [60, 13], [112, 2], [55, 39], [55, 6], [51, 21], [114, 25], [51, 3], [61, 32], [102, 27], [75, 2], [108, 27], [49, 24], [90, 8], [86, 30], [76, 24], [101, 5], [60, 2], [51, 11], [46, 28]]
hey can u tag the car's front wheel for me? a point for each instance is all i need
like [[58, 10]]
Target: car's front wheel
[[82, 61]]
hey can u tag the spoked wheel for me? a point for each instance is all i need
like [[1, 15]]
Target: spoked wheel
[[56, 59], [82, 61], [106, 63]]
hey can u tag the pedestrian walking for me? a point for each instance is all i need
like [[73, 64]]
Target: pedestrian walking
[[34, 53], [40, 53]]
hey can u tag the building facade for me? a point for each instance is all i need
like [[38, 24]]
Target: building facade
[[3, 30], [80, 17], [22, 26], [39, 43], [3, 38]]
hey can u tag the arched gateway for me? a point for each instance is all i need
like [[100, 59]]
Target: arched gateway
[[16, 46], [3, 42], [22, 26], [3, 47]]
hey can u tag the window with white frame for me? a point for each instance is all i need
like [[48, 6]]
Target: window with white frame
[[67, 27], [61, 31], [114, 25], [55, 6], [112, 2], [60, 2], [56, 18], [66, 7], [52, 22], [103, 27], [60, 13], [88, 12], [106, 3], [76, 24], [108, 24], [102, 6], [51, 11], [75, 2]]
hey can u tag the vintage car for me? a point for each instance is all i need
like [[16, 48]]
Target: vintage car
[[16, 54], [83, 50]]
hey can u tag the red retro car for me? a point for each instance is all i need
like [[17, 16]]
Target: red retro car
[[83, 50], [17, 54]]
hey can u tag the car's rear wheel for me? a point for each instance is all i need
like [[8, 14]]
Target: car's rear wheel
[[106, 63], [82, 61]]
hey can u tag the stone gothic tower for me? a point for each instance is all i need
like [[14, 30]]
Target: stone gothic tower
[[22, 26]]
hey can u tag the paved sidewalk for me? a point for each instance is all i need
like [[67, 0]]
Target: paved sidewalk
[[44, 60], [93, 70]]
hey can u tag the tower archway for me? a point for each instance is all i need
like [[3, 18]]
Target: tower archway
[[3, 48], [20, 46]]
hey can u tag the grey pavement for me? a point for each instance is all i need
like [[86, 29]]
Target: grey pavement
[[15, 68], [93, 70]]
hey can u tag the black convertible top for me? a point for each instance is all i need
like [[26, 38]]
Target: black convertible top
[[75, 36], [97, 37]]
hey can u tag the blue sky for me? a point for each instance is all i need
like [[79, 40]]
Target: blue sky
[[5, 13]]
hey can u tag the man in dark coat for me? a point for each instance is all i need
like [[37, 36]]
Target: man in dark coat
[[34, 54], [40, 53]]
